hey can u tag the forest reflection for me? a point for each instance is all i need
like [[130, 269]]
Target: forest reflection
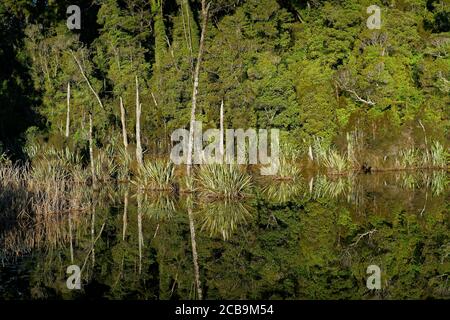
[[310, 238]]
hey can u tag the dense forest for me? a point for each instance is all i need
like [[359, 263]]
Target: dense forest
[[87, 117], [309, 68]]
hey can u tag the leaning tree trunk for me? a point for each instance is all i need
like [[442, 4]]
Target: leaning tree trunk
[[139, 156], [87, 80], [124, 126], [68, 111], [205, 12]]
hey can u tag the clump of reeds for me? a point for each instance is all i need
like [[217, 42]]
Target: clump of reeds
[[104, 166], [287, 165], [51, 188], [439, 156], [14, 197], [223, 181], [409, 158], [287, 170], [413, 158], [335, 162], [330, 158], [124, 161], [156, 175], [50, 162]]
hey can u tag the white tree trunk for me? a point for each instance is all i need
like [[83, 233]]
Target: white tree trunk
[[205, 12], [221, 132], [91, 149], [124, 126], [139, 156], [68, 111]]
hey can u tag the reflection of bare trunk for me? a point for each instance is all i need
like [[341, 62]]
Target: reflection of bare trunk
[[221, 132], [205, 13], [91, 149], [125, 209], [124, 126], [70, 237], [194, 254], [425, 204], [93, 233], [140, 236], [138, 126], [68, 111]]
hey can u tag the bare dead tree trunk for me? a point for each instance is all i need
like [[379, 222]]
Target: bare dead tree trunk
[[205, 13], [91, 149], [139, 156], [221, 132], [124, 125], [87, 80], [93, 233], [68, 111]]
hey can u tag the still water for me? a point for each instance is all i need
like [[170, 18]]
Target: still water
[[307, 239]]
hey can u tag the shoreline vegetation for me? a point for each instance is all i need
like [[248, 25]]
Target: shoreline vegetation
[[59, 184], [114, 163], [57, 181]]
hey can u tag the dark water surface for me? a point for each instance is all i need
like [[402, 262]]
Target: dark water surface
[[309, 239]]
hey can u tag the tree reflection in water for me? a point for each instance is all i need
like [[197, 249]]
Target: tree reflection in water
[[291, 239]]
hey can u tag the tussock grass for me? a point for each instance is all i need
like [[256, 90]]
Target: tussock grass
[[156, 175], [439, 156], [104, 166], [330, 158], [413, 158]]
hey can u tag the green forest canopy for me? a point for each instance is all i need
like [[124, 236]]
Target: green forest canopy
[[309, 68]]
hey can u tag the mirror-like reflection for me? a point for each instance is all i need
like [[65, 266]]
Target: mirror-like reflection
[[312, 238], [222, 218]]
